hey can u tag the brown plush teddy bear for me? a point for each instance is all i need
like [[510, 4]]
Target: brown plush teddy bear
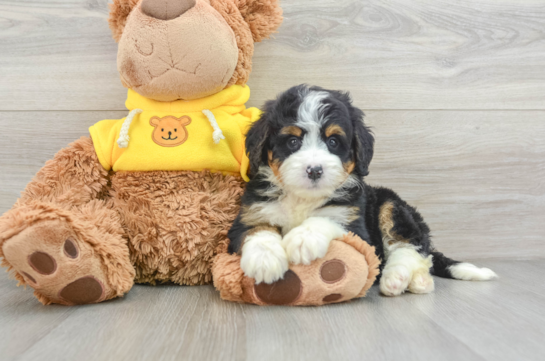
[[148, 198]]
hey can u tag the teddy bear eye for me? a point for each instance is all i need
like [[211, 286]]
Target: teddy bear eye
[[175, 130], [162, 129]]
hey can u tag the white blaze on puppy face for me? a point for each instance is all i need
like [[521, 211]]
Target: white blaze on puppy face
[[313, 153]]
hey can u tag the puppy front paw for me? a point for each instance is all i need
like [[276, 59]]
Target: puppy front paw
[[263, 257], [304, 245]]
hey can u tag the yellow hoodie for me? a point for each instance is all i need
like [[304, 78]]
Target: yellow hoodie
[[207, 133]]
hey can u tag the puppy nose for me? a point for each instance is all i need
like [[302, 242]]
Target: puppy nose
[[315, 173], [166, 9]]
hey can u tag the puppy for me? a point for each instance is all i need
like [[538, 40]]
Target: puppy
[[309, 153]]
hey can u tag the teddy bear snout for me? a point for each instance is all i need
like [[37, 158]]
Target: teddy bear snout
[[166, 9]]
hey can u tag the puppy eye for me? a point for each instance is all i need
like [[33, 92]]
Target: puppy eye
[[294, 143], [332, 142]]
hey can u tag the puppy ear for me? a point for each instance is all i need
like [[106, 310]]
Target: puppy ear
[[363, 142], [257, 143], [119, 11], [263, 16]]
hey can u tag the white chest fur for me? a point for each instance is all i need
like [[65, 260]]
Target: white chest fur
[[287, 212]]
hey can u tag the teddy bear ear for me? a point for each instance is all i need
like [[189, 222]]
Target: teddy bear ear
[[263, 16], [119, 11]]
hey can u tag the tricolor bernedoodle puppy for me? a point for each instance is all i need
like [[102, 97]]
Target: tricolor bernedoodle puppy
[[309, 153]]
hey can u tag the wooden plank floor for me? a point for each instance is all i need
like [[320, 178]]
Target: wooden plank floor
[[498, 320]]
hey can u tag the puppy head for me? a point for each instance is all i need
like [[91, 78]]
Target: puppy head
[[312, 140]]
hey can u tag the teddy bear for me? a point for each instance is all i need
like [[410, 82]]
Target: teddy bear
[[148, 198]]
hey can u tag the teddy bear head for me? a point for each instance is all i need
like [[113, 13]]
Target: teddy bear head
[[188, 49]]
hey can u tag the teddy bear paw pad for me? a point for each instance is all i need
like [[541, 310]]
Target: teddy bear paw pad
[[333, 271], [70, 249], [332, 297], [83, 291], [29, 279], [42, 263], [282, 292]]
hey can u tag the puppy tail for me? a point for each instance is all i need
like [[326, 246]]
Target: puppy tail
[[448, 268]]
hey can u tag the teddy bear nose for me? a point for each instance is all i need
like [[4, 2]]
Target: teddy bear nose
[[166, 9]]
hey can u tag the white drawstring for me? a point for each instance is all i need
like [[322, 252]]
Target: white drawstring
[[218, 134], [123, 140]]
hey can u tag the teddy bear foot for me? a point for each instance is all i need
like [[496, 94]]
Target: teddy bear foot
[[348, 270], [57, 264]]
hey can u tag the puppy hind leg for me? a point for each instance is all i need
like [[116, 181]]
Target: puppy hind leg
[[422, 280], [406, 268]]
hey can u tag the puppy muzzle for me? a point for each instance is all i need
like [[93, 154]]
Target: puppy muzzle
[[315, 173]]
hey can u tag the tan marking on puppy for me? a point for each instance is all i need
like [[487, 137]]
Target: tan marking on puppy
[[386, 225], [249, 217], [244, 215], [334, 129], [292, 130], [275, 166], [349, 166], [353, 214], [263, 227]]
